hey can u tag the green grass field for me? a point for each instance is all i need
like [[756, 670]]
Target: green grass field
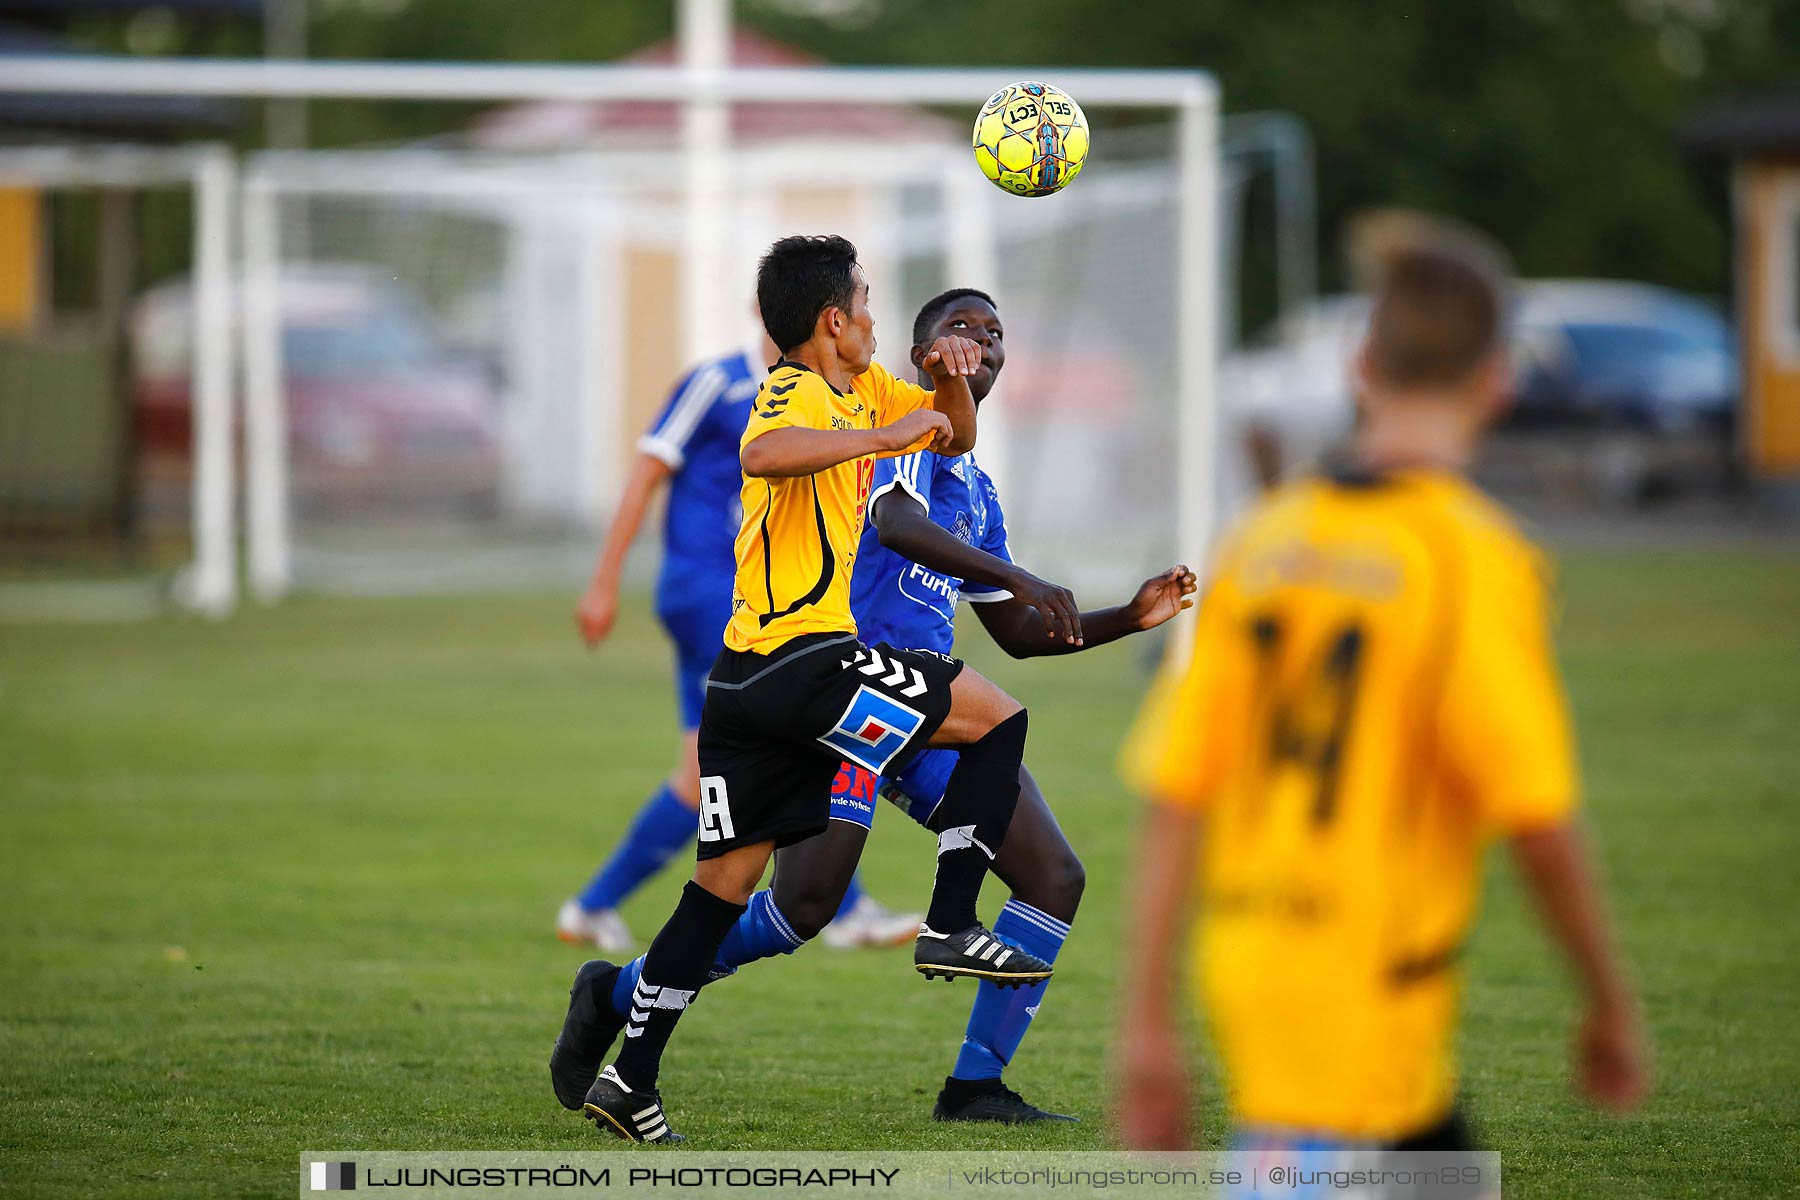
[[287, 883]]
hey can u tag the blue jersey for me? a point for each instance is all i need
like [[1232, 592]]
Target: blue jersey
[[697, 436], [894, 599]]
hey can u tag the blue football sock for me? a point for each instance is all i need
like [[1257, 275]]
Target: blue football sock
[[761, 932], [852, 894], [663, 826], [1002, 1015]]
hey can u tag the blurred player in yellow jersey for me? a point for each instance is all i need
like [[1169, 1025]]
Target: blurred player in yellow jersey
[[1371, 697]]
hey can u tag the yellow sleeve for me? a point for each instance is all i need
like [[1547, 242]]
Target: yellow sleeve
[[790, 398], [1181, 751], [1504, 719], [894, 397]]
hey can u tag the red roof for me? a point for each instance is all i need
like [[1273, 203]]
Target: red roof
[[565, 124]]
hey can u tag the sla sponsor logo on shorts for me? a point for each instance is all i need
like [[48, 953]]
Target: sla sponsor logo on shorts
[[853, 795], [873, 729]]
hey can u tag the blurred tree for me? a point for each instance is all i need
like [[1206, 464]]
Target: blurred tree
[[567, 31], [1550, 123]]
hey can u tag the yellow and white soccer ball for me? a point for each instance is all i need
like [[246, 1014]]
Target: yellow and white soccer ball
[[1031, 139]]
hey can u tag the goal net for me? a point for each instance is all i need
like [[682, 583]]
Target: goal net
[[427, 367], [467, 342]]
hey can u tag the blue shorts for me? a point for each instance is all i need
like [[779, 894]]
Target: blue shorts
[[916, 791], [698, 633]]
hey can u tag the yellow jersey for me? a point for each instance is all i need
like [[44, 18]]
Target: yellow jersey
[[797, 545], [1372, 694]]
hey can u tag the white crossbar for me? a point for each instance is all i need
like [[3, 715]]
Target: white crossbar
[[360, 80]]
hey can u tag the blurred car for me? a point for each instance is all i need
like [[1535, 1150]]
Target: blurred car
[[1625, 354], [1649, 374], [1641, 381], [1285, 397], [378, 408]]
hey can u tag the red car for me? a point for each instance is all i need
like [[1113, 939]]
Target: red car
[[379, 411]]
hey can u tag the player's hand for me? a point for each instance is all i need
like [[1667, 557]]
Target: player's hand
[[1154, 1102], [595, 615], [926, 429], [1055, 604], [1611, 1067], [950, 357], [1162, 596]]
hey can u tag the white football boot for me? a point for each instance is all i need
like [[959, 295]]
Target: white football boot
[[870, 923], [605, 929]]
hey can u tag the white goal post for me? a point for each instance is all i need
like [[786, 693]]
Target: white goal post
[[208, 585], [703, 88]]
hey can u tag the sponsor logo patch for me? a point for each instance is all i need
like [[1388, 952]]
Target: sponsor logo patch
[[873, 729], [853, 795]]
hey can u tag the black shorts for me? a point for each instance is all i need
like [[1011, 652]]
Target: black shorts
[[776, 727]]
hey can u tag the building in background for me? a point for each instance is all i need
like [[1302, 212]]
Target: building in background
[[1761, 138], [862, 206]]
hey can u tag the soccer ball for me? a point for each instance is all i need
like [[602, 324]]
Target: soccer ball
[[1031, 139]]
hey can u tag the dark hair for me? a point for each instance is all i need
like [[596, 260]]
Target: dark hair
[[939, 304], [799, 278], [1440, 308]]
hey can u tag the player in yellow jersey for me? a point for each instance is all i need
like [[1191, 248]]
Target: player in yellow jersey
[[1371, 697], [794, 694]]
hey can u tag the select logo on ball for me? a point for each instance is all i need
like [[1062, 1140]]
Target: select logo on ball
[[1031, 139]]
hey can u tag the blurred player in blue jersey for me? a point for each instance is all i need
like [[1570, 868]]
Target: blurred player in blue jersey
[[936, 533], [693, 446]]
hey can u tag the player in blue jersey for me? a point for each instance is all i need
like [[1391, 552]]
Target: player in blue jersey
[[936, 533], [693, 447]]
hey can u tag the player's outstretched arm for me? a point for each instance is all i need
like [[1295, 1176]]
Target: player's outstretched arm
[[1042, 617], [1153, 1107], [599, 606], [1610, 1067], [1014, 624], [949, 362], [794, 450]]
